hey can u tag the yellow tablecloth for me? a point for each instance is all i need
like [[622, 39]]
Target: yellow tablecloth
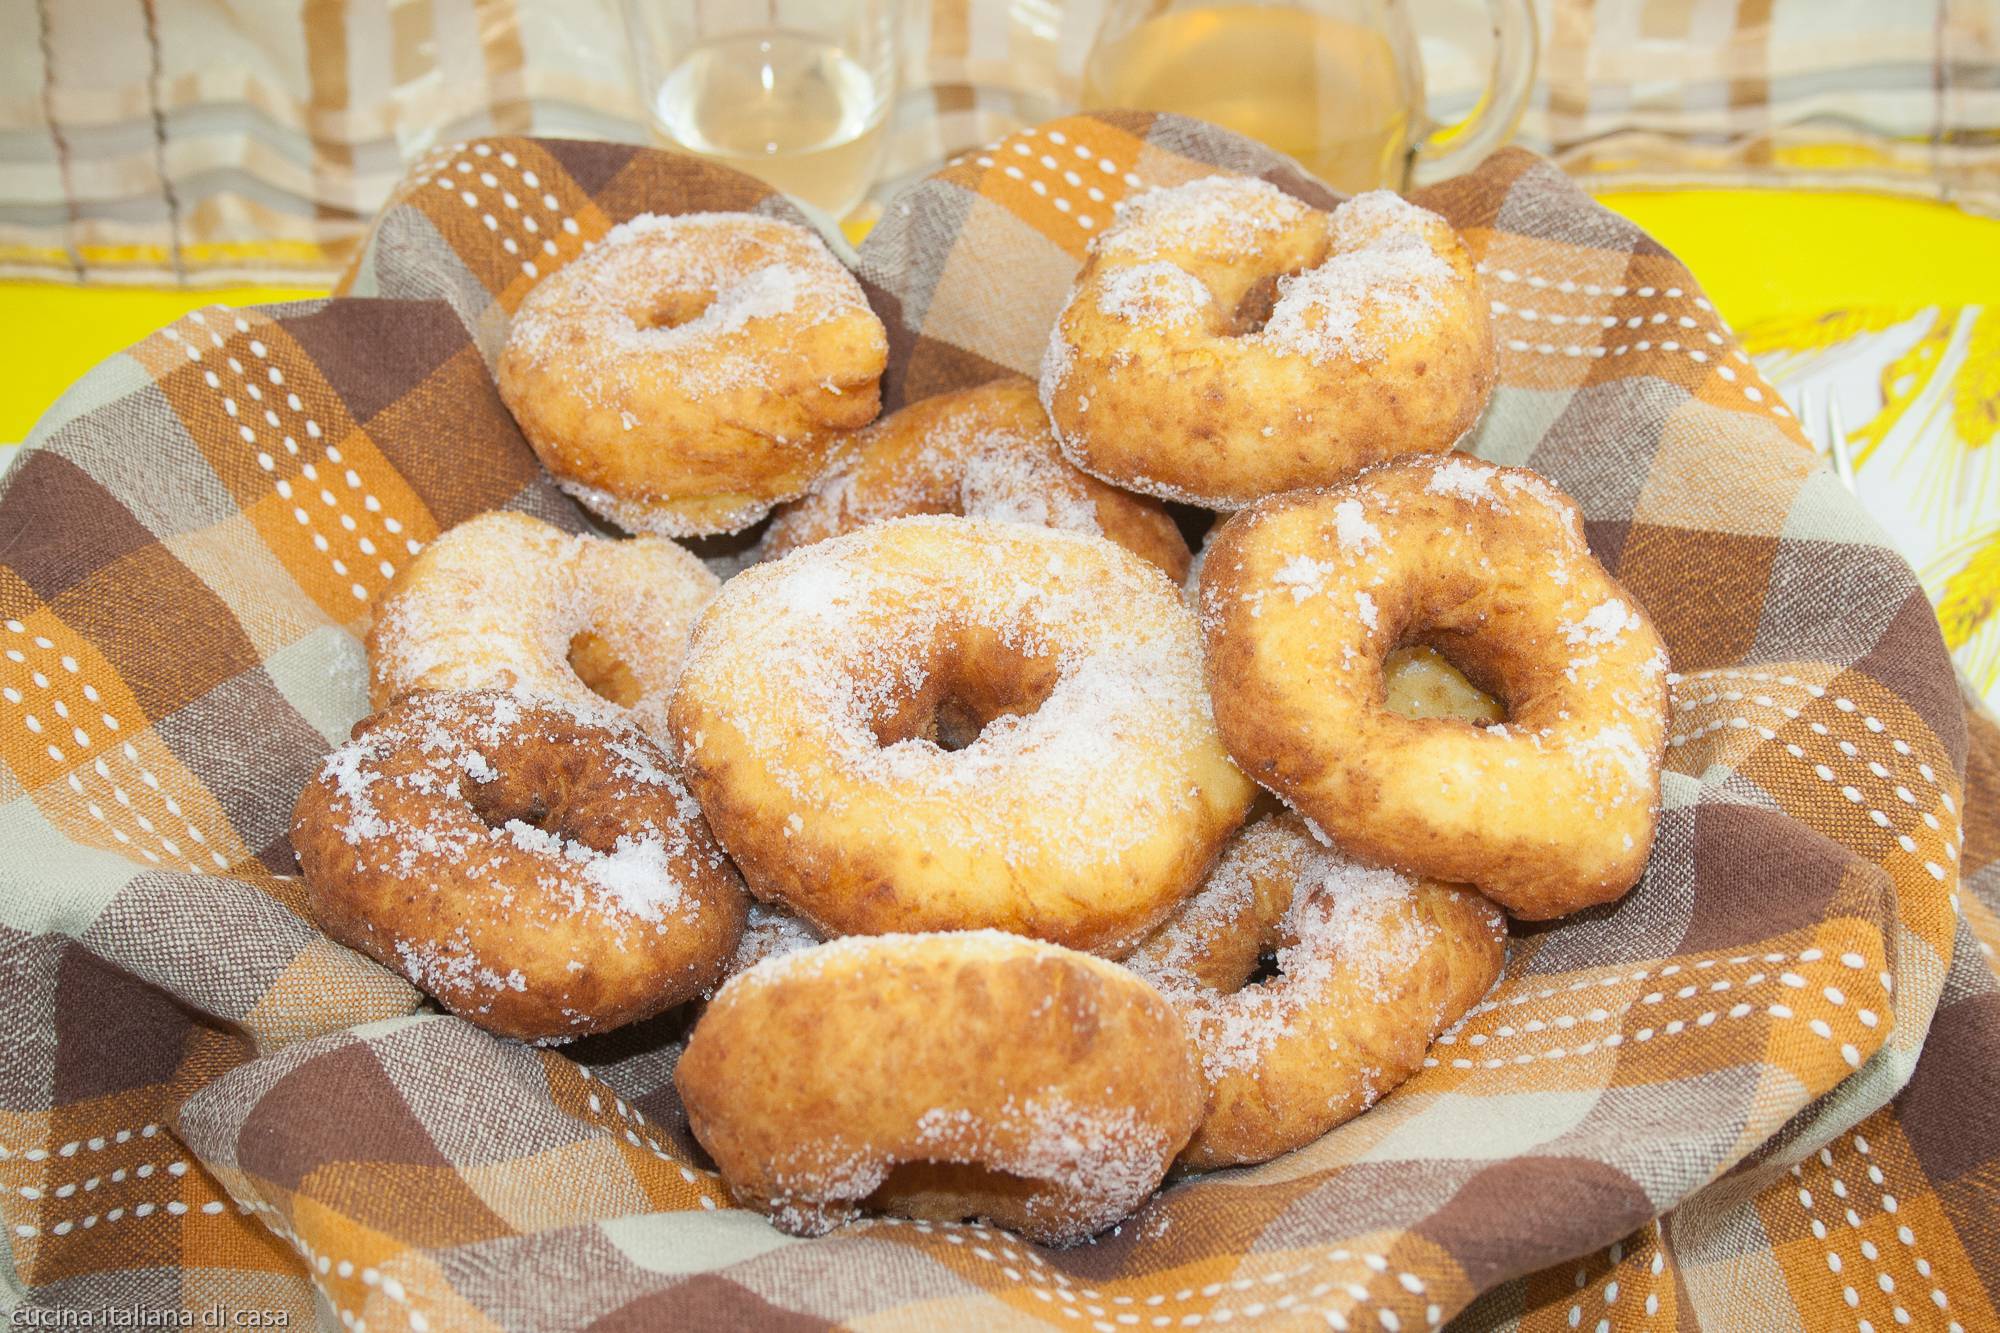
[[1760, 254]]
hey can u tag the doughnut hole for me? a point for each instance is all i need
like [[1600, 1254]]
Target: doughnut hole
[[1245, 287], [527, 792], [1253, 308], [605, 673], [1418, 681], [942, 1191], [552, 792], [968, 682], [673, 309], [1454, 660]]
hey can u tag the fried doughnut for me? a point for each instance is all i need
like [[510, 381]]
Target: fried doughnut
[[1370, 967], [533, 866], [1303, 595], [687, 373], [504, 601], [1225, 342], [971, 1074], [981, 453], [947, 723]]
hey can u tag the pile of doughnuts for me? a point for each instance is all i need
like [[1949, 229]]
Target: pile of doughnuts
[[1012, 855]]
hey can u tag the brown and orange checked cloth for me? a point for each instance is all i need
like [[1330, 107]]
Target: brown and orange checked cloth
[[1756, 1094]]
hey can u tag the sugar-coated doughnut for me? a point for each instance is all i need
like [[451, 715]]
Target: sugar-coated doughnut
[[505, 601], [537, 868], [985, 452], [1225, 341], [1371, 966], [1303, 596], [944, 1076], [947, 723], [687, 373]]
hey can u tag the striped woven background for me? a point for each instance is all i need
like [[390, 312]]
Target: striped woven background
[[179, 140]]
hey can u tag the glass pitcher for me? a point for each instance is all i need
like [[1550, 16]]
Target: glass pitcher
[[1335, 84]]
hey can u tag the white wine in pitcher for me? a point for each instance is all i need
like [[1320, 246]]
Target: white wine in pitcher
[[1334, 94]]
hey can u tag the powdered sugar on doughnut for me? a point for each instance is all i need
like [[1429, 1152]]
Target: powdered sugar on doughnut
[[836, 636], [1344, 918], [1351, 526], [1015, 485], [1102, 1160], [1226, 212], [452, 738], [970, 462], [1604, 623], [1058, 360], [1156, 291], [769, 932], [610, 296], [636, 514], [1304, 575], [1463, 479], [1361, 300], [498, 601]]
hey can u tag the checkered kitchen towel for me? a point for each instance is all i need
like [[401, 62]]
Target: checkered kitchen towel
[[1711, 1104]]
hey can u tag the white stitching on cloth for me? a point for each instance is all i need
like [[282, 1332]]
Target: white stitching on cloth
[[1061, 171], [1884, 1282], [691, 1174], [308, 468], [1832, 995], [1111, 1313], [320, 1265], [1952, 840], [67, 666], [462, 175]]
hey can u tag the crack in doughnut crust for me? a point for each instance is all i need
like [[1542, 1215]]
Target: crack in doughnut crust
[[1303, 595], [505, 601], [943, 1076], [1371, 967], [535, 867], [1225, 341], [687, 373], [824, 695], [985, 452]]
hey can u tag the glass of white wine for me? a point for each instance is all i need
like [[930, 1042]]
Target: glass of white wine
[[1335, 84], [796, 92]]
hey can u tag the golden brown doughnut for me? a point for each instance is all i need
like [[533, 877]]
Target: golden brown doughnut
[[1370, 967], [505, 601], [946, 1076], [686, 373], [1226, 341], [947, 723], [985, 452], [1304, 595], [535, 867]]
